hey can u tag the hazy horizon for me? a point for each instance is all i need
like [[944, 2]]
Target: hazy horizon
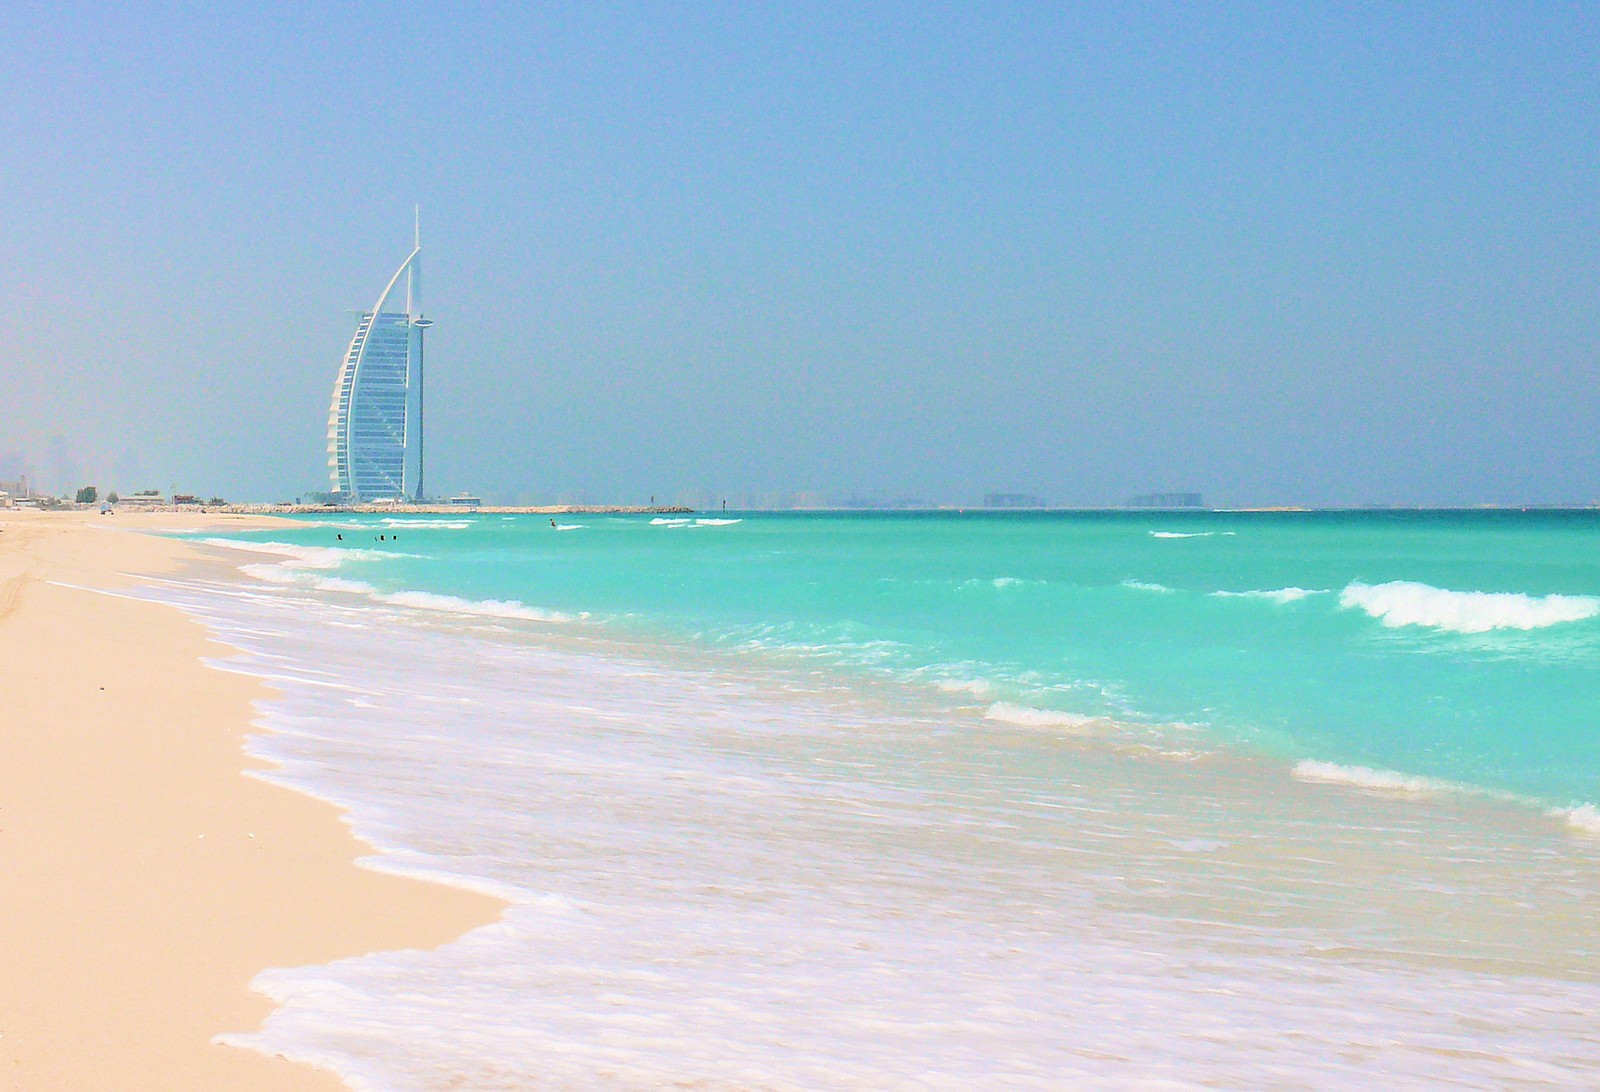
[[1321, 257]]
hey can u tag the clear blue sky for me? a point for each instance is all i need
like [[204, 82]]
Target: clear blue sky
[[1280, 253]]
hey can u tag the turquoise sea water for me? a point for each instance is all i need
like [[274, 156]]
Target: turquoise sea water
[[953, 800], [1462, 646]]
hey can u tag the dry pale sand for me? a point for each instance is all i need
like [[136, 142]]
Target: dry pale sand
[[144, 880]]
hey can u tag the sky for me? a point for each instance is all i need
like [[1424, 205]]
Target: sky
[[1277, 253]]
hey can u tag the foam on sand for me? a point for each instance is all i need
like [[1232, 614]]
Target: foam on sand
[[1407, 603]]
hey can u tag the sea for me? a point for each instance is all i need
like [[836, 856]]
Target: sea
[[945, 800]]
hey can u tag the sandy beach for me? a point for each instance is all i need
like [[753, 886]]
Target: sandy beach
[[147, 879]]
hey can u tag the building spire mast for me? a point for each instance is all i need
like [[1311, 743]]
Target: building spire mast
[[413, 274], [420, 325]]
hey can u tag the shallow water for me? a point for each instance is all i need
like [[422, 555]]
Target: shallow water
[[828, 838]]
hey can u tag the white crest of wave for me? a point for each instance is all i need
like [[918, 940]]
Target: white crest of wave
[[686, 521], [1408, 603], [488, 608], [1026, 716], [569, 526], [429, 524], [1276, 595], [1181, 534], [999, 583], [1145, 585], [1584, 817], [1365, 777]]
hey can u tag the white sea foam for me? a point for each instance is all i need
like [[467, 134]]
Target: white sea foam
[[1365, 777], [284, 574], [1585, 818], [1191, 534], [1276, 595], [488, 608], [429, 524], [978, 688], [569, 526], [714, 887], [304, 566], [1027, 716], [1407, 603], [307, 557], [998, 583], [1145, 585], [688, 521]]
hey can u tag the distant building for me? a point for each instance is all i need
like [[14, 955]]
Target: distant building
[[1167, 500], [1012, 500], [375, 419]]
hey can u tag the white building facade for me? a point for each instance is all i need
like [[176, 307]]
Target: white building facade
[[375, 419]]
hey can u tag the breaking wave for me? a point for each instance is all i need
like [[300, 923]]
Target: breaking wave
[[1365, 777], [1585, 818], [428, 524], [306, 566], [488, 608], [299, 577], [1026, 716], [1145, 585], [1407, 603]]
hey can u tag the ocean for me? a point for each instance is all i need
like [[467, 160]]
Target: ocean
[[947, 800]]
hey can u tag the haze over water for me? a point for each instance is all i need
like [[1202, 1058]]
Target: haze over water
[[951, 800]]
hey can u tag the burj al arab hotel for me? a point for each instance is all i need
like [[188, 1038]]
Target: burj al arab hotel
[[375, 421]]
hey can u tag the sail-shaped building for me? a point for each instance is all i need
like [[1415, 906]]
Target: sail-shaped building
[[375, 420]]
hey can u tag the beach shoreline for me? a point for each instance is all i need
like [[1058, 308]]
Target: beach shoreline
[[149, 879]]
